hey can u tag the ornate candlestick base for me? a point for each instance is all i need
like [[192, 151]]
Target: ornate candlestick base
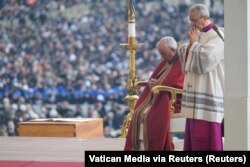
[[131, 105]]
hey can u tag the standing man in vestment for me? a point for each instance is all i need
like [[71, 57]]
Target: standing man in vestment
[[202, 61], [150, 125]]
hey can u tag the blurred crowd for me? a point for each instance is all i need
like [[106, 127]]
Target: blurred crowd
[[53, 65]]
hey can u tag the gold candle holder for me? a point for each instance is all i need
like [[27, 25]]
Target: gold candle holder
[[131, 46]]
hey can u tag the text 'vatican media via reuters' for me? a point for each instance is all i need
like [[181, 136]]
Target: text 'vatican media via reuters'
[[165, 158]]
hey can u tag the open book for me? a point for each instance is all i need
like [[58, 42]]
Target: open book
[[63, 119]]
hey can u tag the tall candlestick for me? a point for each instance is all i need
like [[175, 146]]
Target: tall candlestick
[[132, 46]]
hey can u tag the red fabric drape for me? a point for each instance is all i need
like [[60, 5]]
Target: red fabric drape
[[158, 118]]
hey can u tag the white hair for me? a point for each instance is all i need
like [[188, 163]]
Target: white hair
[[170, 41], [202, 9]]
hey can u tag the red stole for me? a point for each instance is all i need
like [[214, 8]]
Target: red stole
[[156, 131]]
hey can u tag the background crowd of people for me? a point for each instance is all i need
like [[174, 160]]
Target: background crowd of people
[[63, 58]]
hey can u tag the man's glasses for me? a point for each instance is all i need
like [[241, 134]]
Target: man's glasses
[[194, 21]]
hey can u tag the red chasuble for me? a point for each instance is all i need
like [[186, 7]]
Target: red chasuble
[[153, 110]]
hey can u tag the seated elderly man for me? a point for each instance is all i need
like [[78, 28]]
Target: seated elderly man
[[150, 125]]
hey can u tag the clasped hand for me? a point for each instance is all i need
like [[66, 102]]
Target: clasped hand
[[152, 82], [193, 35]]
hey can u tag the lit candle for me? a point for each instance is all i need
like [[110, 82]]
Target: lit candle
[[131, 19]]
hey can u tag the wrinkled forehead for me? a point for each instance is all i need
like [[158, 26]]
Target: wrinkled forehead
[[193, 14]]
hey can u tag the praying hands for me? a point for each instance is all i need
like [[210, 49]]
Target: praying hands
[[193, 35]]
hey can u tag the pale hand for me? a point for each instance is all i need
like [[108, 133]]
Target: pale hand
[[193, 35], [152, 82]]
